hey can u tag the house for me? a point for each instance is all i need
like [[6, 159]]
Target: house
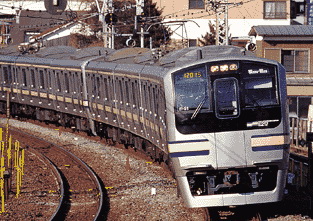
[[19, 20], [292, 46], [192, 16]]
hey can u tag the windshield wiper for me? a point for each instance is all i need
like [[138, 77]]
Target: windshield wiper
[[194, 115]]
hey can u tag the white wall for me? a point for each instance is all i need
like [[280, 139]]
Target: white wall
[[237, 27]]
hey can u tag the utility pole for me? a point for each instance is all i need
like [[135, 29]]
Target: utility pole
[[221, 18], [108, 29], [139, 13]]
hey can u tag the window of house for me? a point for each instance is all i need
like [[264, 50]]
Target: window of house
[[295, 60], [192, 42], [275, 10], [196, 4]]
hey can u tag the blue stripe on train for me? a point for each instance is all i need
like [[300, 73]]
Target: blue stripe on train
[[187, 141], [190, 153], [267, 148]]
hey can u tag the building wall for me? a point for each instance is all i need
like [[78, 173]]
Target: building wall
[[241, 18], [272, 50], [179, 9], [237, 27]]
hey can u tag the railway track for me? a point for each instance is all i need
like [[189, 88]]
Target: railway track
[[81, 192]]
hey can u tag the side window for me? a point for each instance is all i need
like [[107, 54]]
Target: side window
[[120, 89], [98, 92], [58, 76], [150, 98], [75, 86], [155, 101], [144, 96], [127, 91], [105, 88], [15, 74], [134, 94], [51, 75], [24, 77], [41, 79], [67, 83], [33, 78], [7, 75]]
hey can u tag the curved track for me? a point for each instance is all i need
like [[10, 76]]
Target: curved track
[[82, 192]]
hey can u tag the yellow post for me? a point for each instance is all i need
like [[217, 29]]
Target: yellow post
[[18, 174], [2, 143], [1, 131], [2, 195], [9, 152], [23, 160], [2, 169]]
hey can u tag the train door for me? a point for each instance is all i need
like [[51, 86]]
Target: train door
[[24, 83], [34, 85], [127, 107], [230, 146], [17, 83]]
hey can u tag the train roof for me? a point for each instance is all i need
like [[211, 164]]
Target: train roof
[[142, 56]]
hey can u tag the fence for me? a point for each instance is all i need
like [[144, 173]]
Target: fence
[[7, 172]]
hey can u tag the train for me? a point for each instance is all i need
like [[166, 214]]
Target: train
[[217, 115]]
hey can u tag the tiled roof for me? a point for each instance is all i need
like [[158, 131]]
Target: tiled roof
[[282, 30]]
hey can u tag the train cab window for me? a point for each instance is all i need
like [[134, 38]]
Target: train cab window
[[226, 98], [191, 90], [230, 96], [260, 86]]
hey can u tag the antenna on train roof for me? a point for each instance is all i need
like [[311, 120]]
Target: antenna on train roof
[[199, 54]]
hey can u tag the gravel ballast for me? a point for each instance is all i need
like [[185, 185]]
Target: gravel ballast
[[137, 188]]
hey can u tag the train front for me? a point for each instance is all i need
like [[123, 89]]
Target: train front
[[228, 131]]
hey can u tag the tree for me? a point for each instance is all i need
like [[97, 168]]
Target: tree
[[125, 13], [210, 38]]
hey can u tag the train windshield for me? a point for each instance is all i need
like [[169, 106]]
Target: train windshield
[[191, 89], [226, 96]]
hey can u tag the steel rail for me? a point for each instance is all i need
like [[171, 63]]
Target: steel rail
[[85, 167]]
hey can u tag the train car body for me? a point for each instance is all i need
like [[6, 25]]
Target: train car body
[[220, 115], [228, 136]]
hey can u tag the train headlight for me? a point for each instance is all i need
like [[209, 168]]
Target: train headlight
[[214, 68], [233, 67], [224, 67]]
